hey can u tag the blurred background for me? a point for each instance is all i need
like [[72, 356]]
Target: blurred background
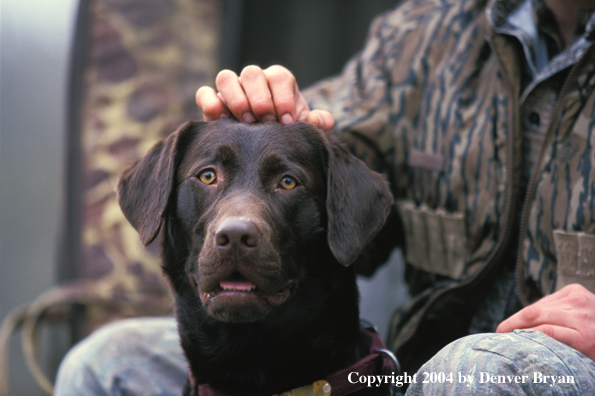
[[87, 86]]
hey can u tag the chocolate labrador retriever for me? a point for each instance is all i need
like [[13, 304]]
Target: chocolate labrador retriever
[[259, 225]]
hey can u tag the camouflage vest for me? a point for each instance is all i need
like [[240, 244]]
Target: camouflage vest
[[436, 101]]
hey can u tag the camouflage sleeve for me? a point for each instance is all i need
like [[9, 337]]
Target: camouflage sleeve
[[359, 100]]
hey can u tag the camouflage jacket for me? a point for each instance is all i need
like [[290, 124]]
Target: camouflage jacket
[[443, 100]]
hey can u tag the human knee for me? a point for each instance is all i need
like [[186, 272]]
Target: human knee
[[512, 363], [110, 350]]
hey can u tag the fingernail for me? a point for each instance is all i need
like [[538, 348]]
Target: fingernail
[[320, 121], [248, 117], [286, 118], [268, 117]]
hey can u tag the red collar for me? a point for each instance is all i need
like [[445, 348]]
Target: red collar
[[373, 364]]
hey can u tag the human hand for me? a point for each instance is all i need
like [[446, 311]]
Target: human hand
[[567, 315], [259, 95]]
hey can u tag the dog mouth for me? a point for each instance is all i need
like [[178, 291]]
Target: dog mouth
[[236, 292]]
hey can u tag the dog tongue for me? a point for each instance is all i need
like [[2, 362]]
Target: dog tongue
[[236, 285]]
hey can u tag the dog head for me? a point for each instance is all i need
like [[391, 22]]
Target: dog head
[[248, 207]]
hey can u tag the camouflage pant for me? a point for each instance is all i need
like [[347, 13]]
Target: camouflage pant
[[143, 357], [525, 362], [126, 358]]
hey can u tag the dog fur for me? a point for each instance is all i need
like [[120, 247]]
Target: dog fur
[[291, 315]]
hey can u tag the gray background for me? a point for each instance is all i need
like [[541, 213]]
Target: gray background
[[35, 39]]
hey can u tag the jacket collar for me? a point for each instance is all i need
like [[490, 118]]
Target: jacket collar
[[499, 12], [504, 18]]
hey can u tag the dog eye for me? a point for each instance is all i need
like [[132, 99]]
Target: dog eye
[[288, 183], [207, 176]]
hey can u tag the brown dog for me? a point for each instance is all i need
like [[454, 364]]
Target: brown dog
[[259, 225]]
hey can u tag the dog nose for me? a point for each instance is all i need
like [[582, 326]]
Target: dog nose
[[235, 231]]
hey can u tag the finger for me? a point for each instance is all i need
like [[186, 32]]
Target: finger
[[582, 342], [232, 95], [301, 107], [533, 314], [255, 85], [571, 306], [284, 92], [210, 104], [527, 317], [321, 118], [540, 314], [570, 337]]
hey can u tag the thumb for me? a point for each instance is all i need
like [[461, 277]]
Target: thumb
[[321, 118]]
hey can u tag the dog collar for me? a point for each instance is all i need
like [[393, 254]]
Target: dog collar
[[378, 362]]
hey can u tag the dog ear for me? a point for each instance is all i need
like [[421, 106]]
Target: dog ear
[[358, 203], [144, 188]]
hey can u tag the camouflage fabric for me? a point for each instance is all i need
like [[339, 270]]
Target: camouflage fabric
[[449, 116], [446, 114], [145, 61], [143, 357], [525, 362], [138, 356]]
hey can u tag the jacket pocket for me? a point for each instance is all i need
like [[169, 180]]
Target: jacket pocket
[[575, 253], [435, 241]]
